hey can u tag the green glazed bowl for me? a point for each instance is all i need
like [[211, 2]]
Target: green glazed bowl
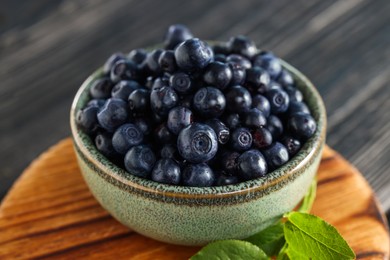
[[192, 215]]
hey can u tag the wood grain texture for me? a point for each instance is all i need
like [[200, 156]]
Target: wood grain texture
[[50, 213]]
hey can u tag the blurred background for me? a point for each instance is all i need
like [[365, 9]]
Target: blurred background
[[49, 47]]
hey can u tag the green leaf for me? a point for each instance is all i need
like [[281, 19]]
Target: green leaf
[[309, 237], [270, 240], [229, 250], [309, 198]]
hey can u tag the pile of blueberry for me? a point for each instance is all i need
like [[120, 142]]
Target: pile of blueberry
[[197, 115]]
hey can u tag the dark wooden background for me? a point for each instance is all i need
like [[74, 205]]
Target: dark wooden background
[[48, 47]]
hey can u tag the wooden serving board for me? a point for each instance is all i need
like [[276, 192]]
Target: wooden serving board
[[50, 213]]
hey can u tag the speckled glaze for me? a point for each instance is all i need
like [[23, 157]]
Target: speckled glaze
[[196, 216]]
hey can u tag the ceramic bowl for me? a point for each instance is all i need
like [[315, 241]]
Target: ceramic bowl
[[193, 215]]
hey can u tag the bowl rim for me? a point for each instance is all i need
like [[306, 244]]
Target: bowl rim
[[119, 177]]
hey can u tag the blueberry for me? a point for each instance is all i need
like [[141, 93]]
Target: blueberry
[[220, 129], [238, 99], [274, 85], [125, 137], [261, 138], [275, 126], [298, 107], [239, 61], [139, 101], [101, 88], [220, 58], [162, 134], [103, 142], [167, 61], [242, 45], [268, 62], [193, 54], [241, 139], [221, 48], [294, 94], [144, 125], [197, 143], [181, 82], [261, 103], [218, 74], [285, 79], [257, 80], [113, 114], [159, 83], [209, 102], [301, 125], [96, 103], [228, 162], [169, 151], [166, 171], [293, 145], [232, 120], [151, 63], [124, 70], [276, 155], [139, 161], [198, 175], [176, 34], [223, 179], [238, 74], [86, 119], [112, 60], [163, 99], [252, 165], [278, 100], [254, 118], [137, 56], [178, 118], [124, 88]]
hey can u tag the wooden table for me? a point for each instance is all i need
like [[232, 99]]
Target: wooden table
[[47, 48]]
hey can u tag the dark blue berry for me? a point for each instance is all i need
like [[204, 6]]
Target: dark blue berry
[[151, 63], [285, 79], [298, 107], [220, 129], [163, 99], [139, 161], [198, 175], [209, 102], [193, 54], [181, 82], [302, 125], [124, 88], [275, 85], [268, 62], [101, 88], [257, 80], [241, 139], [232, 120], [239, 61], [96, 103], [275, 126], [261, 138], [293, 145], [137, 56], [251, 165], [242, 45], [86, 119], [169, 151], [113, 114], [162, 134], [144, 124], [223, 179], [218, 74], [276, 155], [254, 118], [197, 143], [167, 61], [159, 83], [238, 99], [238, 74], [139, 101], [178, 118], [294, 94], [124, 70], [261, 103], [112, 60], [166, 171], [103, 142], [221, 48], [176, 34], [278, 100], [220, 58], [125, 137], [228, 162]]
